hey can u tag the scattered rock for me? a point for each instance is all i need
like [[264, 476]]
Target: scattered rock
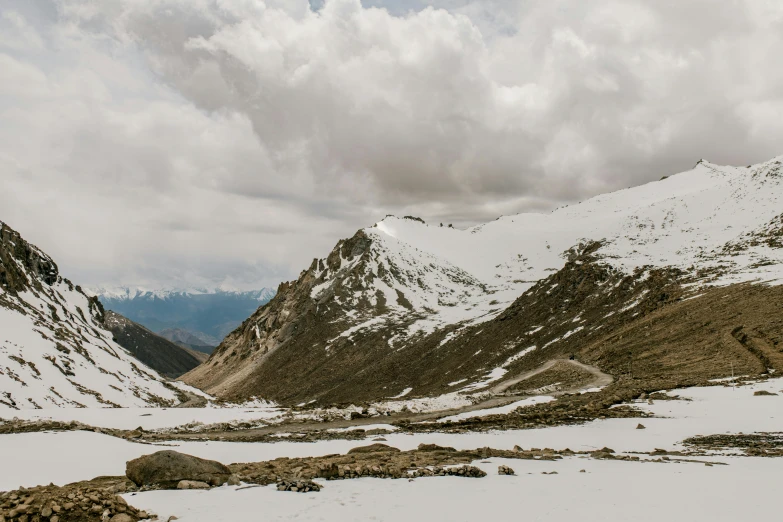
[[505, 470], [640, 426], [168, 468], [762, 393], [298, 486], [435, 447]]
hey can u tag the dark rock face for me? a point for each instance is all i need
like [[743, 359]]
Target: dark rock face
[[168, 468], [15, 251]]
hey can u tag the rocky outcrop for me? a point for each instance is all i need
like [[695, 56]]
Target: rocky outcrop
[[168, 468], [22, 265]]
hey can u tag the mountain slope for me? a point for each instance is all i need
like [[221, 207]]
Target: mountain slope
[[406, 306], [187, 340], [206, 314], [54, 350], [158, 353]]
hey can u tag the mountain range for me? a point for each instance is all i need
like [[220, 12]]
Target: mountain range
[[196, 318], [652, 283]]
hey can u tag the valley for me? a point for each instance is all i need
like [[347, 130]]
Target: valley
[[638, 332]]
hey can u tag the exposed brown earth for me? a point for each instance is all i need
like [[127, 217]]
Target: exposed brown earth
[[753, 444]]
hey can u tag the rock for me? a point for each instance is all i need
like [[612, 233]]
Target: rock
[[168, 468], [233, 480], [192, 484], [762, 393], [640, 426], [46, 512], [123, 517], [582, 471], [373, 448], [435, 447], [301, 486], [505, 470]]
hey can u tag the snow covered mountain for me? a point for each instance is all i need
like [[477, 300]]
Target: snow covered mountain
[[54, 350], [349, 327], [207, 314]]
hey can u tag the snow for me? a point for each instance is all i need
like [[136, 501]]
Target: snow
[[500, 410], [148, 418], [73, 456], [366, 427], [403, 393], [452, 276], [35, 373], [518, 356], [604, 492], [141, 292], [494, 375]]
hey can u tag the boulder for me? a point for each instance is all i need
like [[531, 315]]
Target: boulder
[[373, 448], [435, 447], [168, 468]]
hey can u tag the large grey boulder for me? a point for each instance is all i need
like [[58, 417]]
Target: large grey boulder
[[168, 468]]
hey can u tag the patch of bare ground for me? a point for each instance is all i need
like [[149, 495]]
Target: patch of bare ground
[[751, 444]]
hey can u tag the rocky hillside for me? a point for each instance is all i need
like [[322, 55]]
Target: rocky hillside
[[54, 350], [162, 355], [409, 309]]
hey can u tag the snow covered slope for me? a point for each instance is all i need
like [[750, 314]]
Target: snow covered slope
[[401, 279], [54, 350], [716, 222]]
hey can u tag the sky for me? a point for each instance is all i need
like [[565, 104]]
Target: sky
[[182, 143]]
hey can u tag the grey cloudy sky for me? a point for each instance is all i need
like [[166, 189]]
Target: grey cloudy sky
[[199, 142]]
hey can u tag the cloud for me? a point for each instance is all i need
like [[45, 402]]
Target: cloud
[[164, 141]]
